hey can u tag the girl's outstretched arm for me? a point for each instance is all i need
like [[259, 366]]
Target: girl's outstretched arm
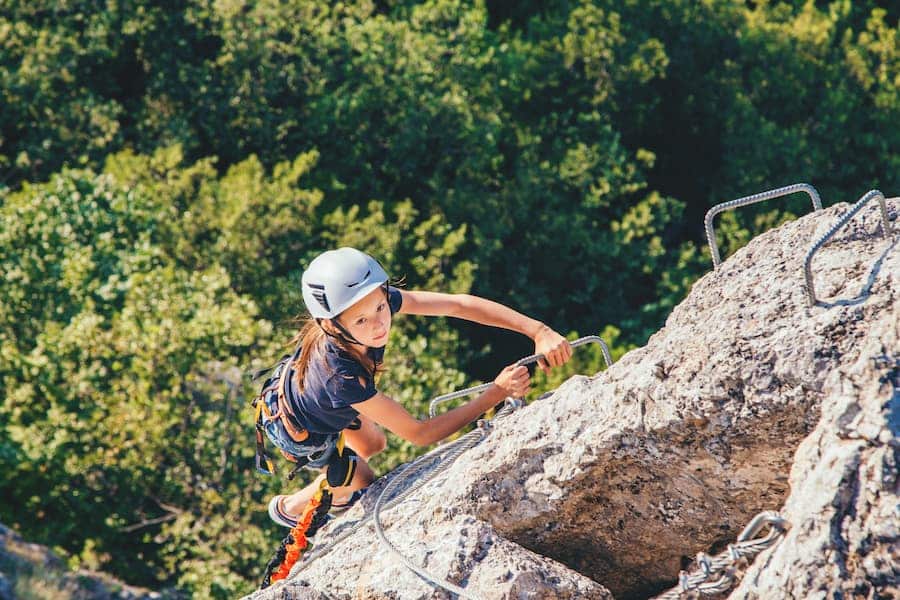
[[548, 342], [387, 412]]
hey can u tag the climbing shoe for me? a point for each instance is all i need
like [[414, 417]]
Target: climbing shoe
[[278, 514], [341, 508]]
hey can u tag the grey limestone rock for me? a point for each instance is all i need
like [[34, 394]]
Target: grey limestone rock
[[747, 400]]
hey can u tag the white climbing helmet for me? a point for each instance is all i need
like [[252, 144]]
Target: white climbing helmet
[[337, 279]]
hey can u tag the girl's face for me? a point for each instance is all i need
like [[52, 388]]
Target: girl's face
[[369, 320]]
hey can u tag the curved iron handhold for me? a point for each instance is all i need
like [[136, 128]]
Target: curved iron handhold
[[784, 191], [885, 230], [768, 517], [722, 564], [588, 339]]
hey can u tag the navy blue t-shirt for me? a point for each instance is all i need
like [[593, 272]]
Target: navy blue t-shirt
[[334, 382]]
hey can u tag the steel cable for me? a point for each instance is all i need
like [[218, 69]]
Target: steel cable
[[722, 564], [448, 453]]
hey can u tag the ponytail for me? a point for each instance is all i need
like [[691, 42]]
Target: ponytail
[[310, 338]]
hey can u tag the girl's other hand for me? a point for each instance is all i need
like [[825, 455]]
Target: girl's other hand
[[514, 380], [555, 348]]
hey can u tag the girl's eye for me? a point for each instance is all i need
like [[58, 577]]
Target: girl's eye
[[360, 321], [380, 307]]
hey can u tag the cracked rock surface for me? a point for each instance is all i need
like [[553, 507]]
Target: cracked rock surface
[[747, 400]]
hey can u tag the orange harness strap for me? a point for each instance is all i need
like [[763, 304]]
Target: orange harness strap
[[296, 541], [298, 435]]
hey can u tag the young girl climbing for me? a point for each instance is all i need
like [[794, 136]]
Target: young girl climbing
[[329, 401]]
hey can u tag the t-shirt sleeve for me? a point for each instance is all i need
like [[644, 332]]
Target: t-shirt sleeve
[[345, 388], [395, 299]]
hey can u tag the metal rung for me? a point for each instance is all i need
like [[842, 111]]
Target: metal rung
[[590, 339], [885, 230], [708, 221]]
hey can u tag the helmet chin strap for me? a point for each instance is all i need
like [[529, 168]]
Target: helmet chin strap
[[344, 335]]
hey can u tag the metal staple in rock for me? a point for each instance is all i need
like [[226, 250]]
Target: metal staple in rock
[[885, 230], [722, 564], [784, 191], [464, 443], [588, 339], [448, 452]]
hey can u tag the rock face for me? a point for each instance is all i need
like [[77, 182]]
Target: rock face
[[747, 400], [30, 570], [844, 503]]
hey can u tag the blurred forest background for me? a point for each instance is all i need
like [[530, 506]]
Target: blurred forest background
[[167, 168]]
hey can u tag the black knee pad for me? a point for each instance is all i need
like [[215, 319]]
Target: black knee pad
[[341, 468]]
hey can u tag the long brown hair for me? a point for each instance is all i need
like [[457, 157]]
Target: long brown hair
[[311, 337]]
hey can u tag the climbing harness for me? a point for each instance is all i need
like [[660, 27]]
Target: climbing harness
[[721, 565], [275, 419], [432, 464], [885, 231], [747, 200], [314, 516], [341, 468]]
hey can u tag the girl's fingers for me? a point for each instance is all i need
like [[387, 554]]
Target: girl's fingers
[[555, 358], [563, 353], [515, 380]]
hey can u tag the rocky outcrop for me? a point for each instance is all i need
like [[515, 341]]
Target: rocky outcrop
[[30, 570], [746, 400], [844, 503]]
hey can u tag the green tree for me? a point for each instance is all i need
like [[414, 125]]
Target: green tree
[[555, 156], [124, 340]]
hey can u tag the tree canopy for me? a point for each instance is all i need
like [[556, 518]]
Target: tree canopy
[[168, 168]]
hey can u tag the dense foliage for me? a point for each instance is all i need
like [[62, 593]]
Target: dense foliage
[[167, 168]]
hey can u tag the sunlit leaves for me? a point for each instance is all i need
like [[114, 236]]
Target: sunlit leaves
[[193, 159]]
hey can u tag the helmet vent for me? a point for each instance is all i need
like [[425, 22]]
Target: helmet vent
[[366, 276], [318, 292]]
